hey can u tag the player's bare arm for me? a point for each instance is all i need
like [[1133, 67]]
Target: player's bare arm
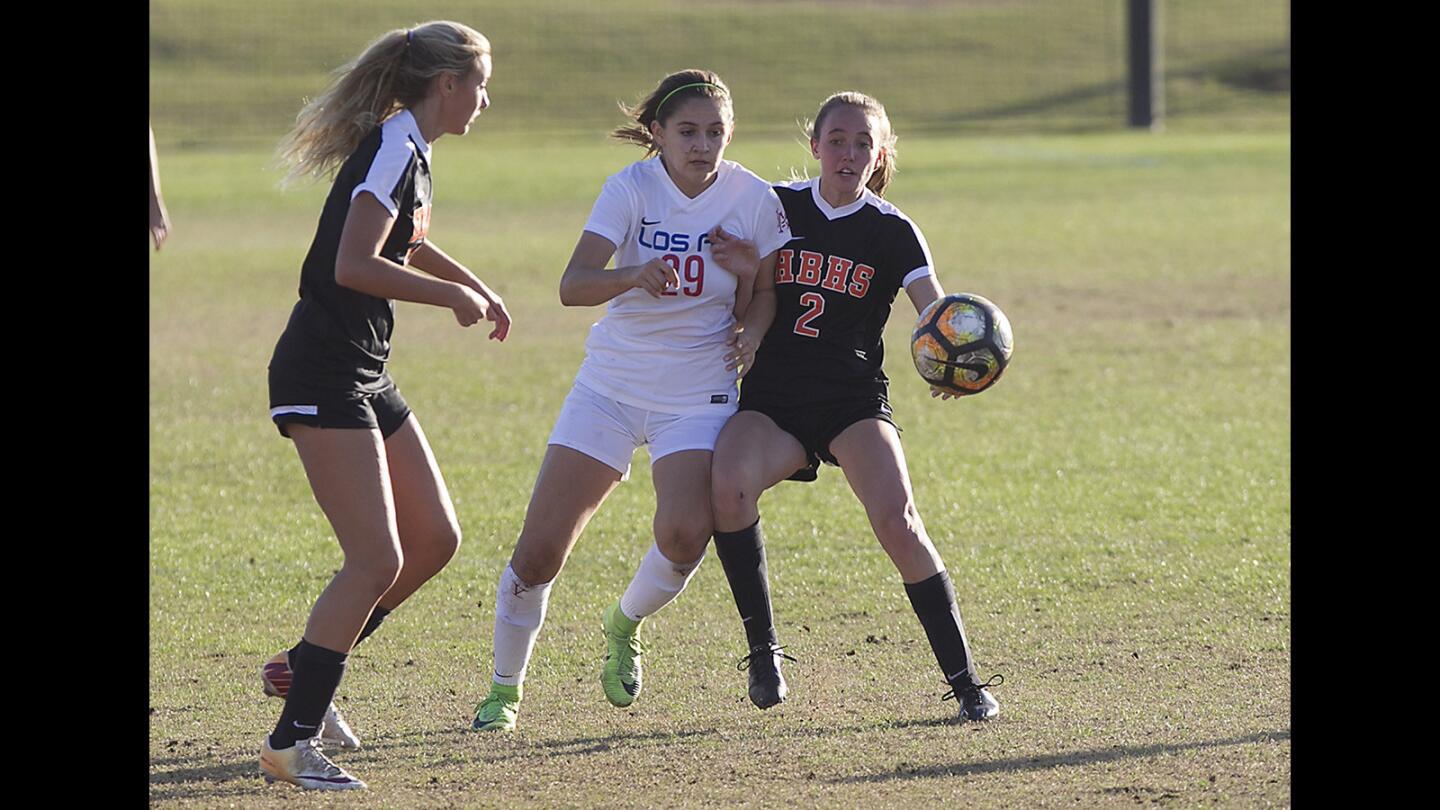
[[922, 292], [429, 258], [587, 282], [741, 258], [360, 267], [159, 217], [756, 318]]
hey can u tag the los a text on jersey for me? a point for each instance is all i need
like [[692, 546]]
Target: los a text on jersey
[[690, 269]]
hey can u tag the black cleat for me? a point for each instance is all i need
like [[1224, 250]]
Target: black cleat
[[767, 685], [976, 702]]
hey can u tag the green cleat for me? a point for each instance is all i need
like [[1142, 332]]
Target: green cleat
[[498, 710], [621, 675]]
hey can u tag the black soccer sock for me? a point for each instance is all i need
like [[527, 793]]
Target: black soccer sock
[[934, 602], [742, 554], [376, 617], [316, 674]]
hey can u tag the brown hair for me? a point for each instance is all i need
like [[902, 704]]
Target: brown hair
[[665, 99], [885, 168], [393, 73]]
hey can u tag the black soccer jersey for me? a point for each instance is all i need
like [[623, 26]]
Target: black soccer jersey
[[339, 337], [835, 282]]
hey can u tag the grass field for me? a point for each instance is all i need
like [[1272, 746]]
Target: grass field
[[227, 71], [1116, 512]]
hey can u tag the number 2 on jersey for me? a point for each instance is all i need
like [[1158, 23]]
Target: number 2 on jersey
[[692, 279], [816, 302]]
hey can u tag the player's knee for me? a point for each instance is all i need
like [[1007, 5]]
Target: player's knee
[[899, 526], [682, 538], [437, 552], [732, 492], [537, 565], [683, 552], [377, 571], [446, 542]]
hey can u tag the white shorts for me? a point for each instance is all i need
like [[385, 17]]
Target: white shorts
[[609, 431]]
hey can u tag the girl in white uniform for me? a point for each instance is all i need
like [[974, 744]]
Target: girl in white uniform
[[660, 369]]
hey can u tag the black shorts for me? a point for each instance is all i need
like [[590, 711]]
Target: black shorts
[[815, 426], [296, 402]]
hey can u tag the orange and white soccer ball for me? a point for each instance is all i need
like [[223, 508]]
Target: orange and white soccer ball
[[962, 344]]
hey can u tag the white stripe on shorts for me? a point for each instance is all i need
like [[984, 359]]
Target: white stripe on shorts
[[307, 410]]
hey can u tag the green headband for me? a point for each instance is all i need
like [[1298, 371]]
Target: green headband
[[683, 87]]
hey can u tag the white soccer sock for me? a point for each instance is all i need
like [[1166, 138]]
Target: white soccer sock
[[656, 584], [519, 612]]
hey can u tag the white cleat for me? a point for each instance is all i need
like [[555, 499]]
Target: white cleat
[[305, 765], [335, 731]]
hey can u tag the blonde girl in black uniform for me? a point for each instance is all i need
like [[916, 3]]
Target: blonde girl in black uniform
[[368, 462], [817, 392]]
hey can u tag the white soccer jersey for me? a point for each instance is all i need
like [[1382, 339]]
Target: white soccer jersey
[[667, 354]]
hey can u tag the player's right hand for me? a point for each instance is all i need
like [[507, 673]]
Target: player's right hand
[[469, 306], [654, 277], [741, 354], [501, 317], [739, 256]]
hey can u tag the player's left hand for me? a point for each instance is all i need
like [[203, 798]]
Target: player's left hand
[[742, 351], [159, 225], [941, 393], [739, 256], [500, 317]]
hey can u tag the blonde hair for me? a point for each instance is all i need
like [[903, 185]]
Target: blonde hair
[[666, 97], [394, 72], [885, 168]]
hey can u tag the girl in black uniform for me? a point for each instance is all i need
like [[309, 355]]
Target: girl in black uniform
[[369, 464], [817, 392]]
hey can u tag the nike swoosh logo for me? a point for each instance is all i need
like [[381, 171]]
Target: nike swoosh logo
[[643, 222]]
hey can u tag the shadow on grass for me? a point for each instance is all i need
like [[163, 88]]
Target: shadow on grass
[[587, 745], [519, 747], [209, 777], [513, 745], [1077, 758], [1261, 70]]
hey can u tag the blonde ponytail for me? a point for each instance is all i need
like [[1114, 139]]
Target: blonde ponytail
[[393, 73]]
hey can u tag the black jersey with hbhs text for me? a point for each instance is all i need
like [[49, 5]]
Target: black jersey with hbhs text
[[339, 337], [835, 282]]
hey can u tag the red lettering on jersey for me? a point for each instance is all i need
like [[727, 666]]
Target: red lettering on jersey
[[784, 270], [835, 275], [860, 283], [810, 264], [816, 304]]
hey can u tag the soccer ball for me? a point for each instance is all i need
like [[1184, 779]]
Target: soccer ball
[[962, 344]]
